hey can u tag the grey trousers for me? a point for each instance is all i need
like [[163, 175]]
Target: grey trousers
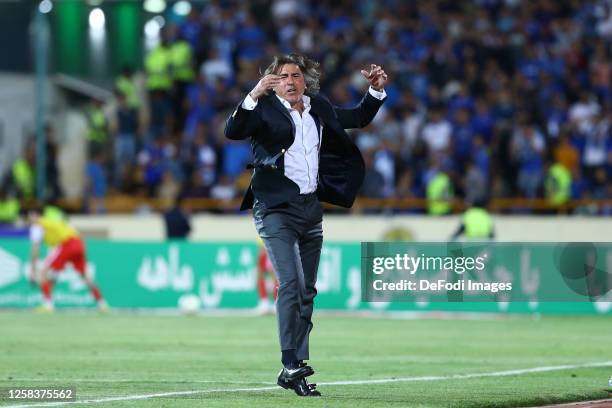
[[293, 235]]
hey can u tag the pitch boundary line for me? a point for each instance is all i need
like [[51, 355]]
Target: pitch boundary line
[[473, 375], [355, 382], [130, 380]]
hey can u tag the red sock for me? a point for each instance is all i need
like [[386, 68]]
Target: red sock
[[96, 293], [261, 287], [275, 291], [46, 290]]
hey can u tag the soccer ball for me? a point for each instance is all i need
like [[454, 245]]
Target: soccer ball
[[189, 304]]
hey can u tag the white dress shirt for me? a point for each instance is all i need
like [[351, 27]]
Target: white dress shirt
[[301, 160], [302, 157]]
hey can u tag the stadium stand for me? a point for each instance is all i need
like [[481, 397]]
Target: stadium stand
[[503, 100]]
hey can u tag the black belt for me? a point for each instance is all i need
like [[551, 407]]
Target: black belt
[[307, 196]]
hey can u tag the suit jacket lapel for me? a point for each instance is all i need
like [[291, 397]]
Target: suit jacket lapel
[[323, 110], [279, 106], [319, 110]]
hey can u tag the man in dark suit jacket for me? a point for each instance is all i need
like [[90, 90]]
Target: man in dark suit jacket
[[302, 156]]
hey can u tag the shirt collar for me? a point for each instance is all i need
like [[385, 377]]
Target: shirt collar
[[305, 99]]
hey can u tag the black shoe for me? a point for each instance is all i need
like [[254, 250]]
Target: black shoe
[[287, 375], [301, 387]]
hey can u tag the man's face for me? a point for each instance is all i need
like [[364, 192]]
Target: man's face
[[292, 85]]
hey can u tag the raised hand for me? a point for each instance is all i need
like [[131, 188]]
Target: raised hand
[[264, 85], [376, 77]]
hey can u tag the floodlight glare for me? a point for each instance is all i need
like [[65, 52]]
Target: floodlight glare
[[154, 6], [181, 8], [151, 28], [96, 19], [160, 20], [45, 6]]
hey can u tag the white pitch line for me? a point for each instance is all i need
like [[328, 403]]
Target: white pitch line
[[356, 382], [140, 397], [473, 375], [136, 380]]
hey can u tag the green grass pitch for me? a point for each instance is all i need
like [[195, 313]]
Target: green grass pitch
[[209, 361]]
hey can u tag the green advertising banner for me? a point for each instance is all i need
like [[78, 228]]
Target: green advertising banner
[[489, 271], [223, 276]]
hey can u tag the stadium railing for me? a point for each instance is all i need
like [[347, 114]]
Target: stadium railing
[[130, 204]]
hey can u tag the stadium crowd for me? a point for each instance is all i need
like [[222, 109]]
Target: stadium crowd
[[487, 98]]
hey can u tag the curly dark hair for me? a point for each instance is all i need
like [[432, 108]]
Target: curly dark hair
[[309, 68]]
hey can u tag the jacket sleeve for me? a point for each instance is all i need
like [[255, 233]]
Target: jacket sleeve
[[361, 115], [242, 123]]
